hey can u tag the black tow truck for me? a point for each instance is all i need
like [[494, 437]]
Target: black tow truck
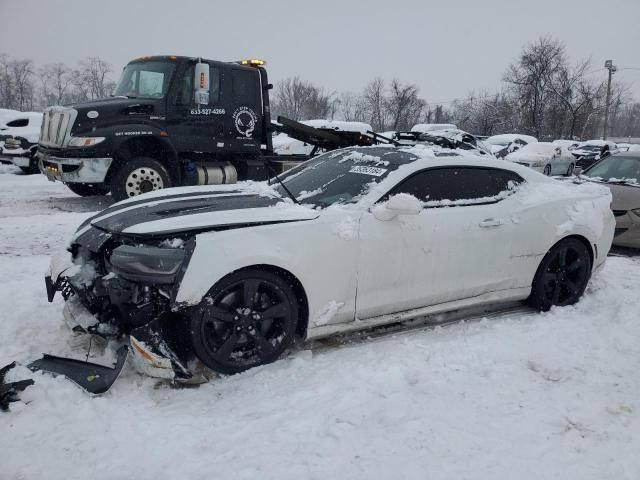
[[175, 121]]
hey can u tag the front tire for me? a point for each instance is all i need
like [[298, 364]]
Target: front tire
[[137, 176], [547, 170], [562, 276], [247, 319], [88, 189]]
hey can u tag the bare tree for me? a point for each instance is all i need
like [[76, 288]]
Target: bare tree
[[94, 74], [6, 83], [291, 96], [57, 80], [530, 79], [352, 107], [21, 74], [375, 104], [403, 105]]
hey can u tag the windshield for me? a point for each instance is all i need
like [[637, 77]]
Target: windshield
[[145, 79], [616, 169], [341, 177], [589, 148]]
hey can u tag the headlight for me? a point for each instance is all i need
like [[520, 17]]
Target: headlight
[[147, 264], [85, 141], [539, 163], [636, 211]]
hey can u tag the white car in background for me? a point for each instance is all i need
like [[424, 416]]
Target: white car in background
[[568, 144], [506, 143], [544, 157], [237, 273], [19, 140]]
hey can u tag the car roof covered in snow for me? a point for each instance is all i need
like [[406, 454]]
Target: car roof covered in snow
[[505, 138]]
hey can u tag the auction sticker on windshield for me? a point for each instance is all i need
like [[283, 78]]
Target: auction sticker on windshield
[[373, 171]]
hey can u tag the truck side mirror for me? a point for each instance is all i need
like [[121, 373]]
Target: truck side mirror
[[201, 84]]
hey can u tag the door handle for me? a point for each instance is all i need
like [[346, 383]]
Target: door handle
[[491, 222]]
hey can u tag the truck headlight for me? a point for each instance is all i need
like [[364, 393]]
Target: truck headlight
[[147, 264], [85, 141]]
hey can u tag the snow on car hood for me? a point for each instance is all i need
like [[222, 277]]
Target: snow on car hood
[[197, 209]]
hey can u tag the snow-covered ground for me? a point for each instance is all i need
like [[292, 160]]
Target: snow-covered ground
[[554, 395]]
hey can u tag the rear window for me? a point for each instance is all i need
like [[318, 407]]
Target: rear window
[[21, 122], [245, 86]]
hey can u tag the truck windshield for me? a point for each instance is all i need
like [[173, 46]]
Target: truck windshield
[[145, 79], [342, 176]]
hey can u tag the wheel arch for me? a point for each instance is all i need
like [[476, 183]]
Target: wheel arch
[[296, 285], [147, 146]]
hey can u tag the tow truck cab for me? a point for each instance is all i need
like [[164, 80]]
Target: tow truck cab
[[171, 121]]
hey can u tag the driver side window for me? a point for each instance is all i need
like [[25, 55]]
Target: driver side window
[[185, 87], [458, 184]]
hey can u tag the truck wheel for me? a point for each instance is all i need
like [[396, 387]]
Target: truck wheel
[[137, 176], [88, 189]]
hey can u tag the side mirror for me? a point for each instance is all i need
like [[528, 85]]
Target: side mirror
[[400, 204], [201, 84]]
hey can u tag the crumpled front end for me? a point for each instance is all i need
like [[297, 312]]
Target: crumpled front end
[[117, 287]]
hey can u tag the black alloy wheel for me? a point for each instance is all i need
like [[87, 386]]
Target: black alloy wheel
[[547, 170], [248, 319], [562, 275]]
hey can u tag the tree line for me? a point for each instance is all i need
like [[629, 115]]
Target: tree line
[[542, 93], [25, 87]]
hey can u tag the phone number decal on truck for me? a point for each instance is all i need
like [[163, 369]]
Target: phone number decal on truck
[[207, 111]]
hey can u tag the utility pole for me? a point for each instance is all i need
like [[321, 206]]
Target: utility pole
[[612, 68]]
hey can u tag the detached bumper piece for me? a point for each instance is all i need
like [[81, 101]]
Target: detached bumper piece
[[95, 379], [9, 391]]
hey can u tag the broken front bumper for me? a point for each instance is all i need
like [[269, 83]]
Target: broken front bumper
[[150, 353], [74, 170]]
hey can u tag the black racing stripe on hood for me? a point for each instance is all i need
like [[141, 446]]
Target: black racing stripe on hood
[[115, 208], [118, 222]]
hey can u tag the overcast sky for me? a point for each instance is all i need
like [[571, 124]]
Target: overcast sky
[[446, 47]]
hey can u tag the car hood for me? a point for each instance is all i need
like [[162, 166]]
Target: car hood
[[527, 156], [195, 210]]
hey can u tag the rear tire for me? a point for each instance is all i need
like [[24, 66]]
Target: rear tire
[[247, 319], [137, 176], [571, 168], [562, 276], [88, 189]]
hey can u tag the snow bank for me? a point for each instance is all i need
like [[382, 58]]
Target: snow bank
[[523, 396]]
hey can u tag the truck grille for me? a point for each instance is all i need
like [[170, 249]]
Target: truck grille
[[56, 123]]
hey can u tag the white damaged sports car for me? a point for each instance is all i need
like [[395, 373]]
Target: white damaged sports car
[[229, 277]]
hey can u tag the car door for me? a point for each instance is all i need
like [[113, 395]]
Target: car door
[[197, 127], [560, 162], [456, 247]]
